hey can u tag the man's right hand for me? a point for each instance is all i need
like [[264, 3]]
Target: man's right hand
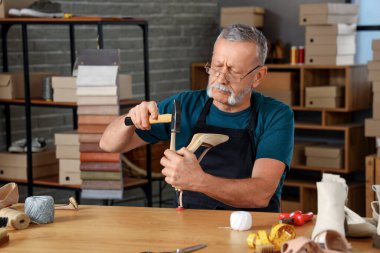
[[141, 113]]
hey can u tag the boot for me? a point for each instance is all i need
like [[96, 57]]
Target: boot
[[332, 196], [376, 236]]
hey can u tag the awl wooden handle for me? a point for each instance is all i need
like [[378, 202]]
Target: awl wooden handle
[[162, 118]]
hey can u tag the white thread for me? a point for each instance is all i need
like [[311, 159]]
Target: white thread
[[240, 220], [40, 209]]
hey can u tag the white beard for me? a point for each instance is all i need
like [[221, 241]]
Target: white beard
[[233, 99]]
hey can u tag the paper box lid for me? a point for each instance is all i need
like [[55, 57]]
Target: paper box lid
[[20, 160], [324, 151], [243, 9], [64, 82], [67, 138], [329, 8], [324, 91]]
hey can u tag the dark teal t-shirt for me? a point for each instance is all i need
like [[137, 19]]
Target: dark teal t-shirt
[[274, 133]]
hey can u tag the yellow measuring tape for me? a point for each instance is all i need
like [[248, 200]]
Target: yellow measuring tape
[[279, 234]]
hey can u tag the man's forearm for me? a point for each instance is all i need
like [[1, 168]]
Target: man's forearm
[[241, 193], [116, 136]]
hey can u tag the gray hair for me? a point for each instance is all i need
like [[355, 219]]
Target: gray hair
[[241, 32]]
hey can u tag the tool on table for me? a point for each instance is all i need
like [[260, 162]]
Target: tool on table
[[182, 250], [174, 129], [162, 118], [72, 205], [297, 218], [262, 243]]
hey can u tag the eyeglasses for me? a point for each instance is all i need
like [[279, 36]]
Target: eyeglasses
[[230, 77]]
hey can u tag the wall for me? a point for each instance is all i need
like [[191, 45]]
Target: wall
[[180, 33]]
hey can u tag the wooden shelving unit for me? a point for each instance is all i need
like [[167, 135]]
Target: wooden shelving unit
[[28, 102], [328, 124]]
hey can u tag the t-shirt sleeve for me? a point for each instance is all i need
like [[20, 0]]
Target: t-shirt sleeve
[[277, 139], [161, 131]]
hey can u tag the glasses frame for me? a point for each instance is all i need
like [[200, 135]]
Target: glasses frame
[[208, 67]]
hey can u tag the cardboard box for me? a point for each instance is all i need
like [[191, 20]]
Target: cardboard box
[[373, 75], [324, 102], [329, 59], [324, 156], [329, 8], [69, 165], [299, 156], [376, 88], [68, 152], [19, 159], [378, 152], [66, 138], [65, 88], [324, 91], [329, 40], [331, 30], [12, 84], [337, 49], [10, 172], [376, 45], [63, 82], [372, 177], [376, 110], [65, 95], [278, 81], [372, 128], [374, 65], [286, 96], [5, 5], [69, 172], [376, 55], [308, 19], [248, 15]]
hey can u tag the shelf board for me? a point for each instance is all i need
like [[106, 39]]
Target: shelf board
[[53, 181], [342, 127], [41, 102], [303, 108], [74, 19], [317, 168], [307, 183]]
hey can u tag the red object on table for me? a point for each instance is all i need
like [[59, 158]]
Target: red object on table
[[297, 217]]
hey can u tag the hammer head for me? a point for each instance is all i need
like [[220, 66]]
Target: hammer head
[[176, 117]]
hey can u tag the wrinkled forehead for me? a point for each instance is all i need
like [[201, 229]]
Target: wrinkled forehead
[[239, 54]]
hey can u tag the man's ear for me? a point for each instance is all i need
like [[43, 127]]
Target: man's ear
[[259, 76]]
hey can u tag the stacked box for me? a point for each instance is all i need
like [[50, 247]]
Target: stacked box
[[14, 165], [372, 126], [67, 145], [12, 84], [326, 156], [324, 96], [249, 15], [330, 33], [281, 86], [65, 89], [98, 96]]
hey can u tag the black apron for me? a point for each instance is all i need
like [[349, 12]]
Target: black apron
[[232, 159]]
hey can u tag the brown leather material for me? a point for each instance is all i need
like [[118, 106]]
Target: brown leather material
[[8, 195]]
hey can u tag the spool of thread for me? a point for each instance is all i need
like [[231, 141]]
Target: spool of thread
[[40, 209], [240, 220], [301, 54], [16, 219], [293, 55]]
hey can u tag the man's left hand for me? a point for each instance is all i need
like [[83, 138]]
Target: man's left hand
[[181, 169]]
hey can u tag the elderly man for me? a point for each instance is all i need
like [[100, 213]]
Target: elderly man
[[247, 171]]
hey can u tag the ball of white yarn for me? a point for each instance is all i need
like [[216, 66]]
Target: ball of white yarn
[[240, 220], [40, 209]]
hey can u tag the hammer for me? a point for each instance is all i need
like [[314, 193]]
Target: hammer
[[162, 118]]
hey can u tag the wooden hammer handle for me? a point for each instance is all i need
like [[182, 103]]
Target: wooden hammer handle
[[162, 118]]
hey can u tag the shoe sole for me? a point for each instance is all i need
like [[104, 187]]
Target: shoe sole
[[14, 12]]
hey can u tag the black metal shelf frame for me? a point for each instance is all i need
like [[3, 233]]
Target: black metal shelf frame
[[6, 24]]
